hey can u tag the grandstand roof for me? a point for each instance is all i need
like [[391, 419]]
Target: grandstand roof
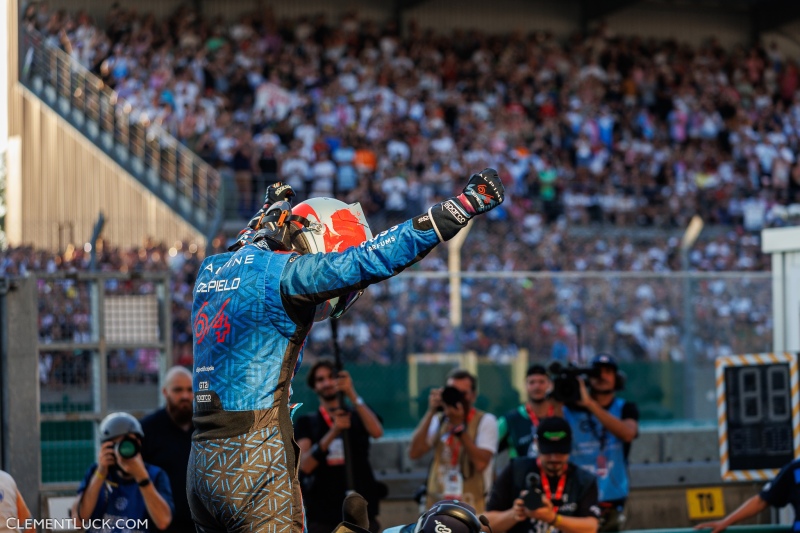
[[764, 15]]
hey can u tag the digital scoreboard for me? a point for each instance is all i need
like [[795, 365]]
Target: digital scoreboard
[[758, 413]]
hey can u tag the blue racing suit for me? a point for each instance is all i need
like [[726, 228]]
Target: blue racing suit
[[252, 311]]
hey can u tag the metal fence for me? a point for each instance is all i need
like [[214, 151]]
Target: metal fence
[[666, 330], [104, 345], [104, 340], [135, 140]]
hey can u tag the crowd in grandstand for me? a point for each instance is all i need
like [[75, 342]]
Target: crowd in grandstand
[[592, 130], [598, 128], [640, 319]]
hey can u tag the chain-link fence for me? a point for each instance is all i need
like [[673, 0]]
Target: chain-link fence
[[665, 329], [104, 340], [104, 344]]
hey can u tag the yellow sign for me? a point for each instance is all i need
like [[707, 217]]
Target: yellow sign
[[705, 503]]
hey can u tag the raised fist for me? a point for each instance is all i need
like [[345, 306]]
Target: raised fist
[[278, 192], [483, 192]]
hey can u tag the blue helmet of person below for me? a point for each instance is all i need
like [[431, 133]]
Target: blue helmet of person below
[[318, 226]]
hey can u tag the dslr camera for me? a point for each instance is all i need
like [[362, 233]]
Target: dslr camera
[[127, 448], [533, 499], [451, 396], [566, 388]]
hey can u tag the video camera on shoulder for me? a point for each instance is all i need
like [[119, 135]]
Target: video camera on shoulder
[[566, 388]]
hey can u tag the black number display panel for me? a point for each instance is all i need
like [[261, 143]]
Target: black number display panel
[[758, 405]]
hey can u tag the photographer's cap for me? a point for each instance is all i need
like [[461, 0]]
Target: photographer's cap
[[117, 424], [554, 436], [604, 359], [536, 368]]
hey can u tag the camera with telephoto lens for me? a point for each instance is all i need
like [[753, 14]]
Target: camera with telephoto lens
[[451, 397], [566, 387], [127, 448]]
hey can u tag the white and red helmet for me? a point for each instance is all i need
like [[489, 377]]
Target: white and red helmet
[[318, 226], [333, 226]]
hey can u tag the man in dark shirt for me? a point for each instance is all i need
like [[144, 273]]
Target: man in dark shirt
[[517, 429], [545, 493], [783, 490], [322, 459], [168, 441]]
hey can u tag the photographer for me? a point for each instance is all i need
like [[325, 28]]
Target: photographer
[[463, 439], [603, 427], [322, 459], [121, 487], [545, 494], [517, 429]]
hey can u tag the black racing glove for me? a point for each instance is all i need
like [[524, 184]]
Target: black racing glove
[[277, 192], [483, 192]]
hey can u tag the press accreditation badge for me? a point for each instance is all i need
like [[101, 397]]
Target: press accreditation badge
[[336, 452], [533, 449], [453, 484]]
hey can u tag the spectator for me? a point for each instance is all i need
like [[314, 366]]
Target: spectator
[[517, 429], [603, 135], [121, 486], [779, 492], [169, 441], [323, 458], [604, 426], [463, 440], [14, 513], [545, 493]]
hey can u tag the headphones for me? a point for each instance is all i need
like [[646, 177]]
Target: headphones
[[452, 510]]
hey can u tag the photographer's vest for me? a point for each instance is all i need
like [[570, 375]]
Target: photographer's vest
[[599, 451], [449, 455]]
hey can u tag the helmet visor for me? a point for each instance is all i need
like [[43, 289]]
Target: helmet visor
[[344, 303]]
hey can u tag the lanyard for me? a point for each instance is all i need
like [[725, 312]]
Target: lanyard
[[532, 415], [453, 443], [602, 436], [325, 416], [562, 482]]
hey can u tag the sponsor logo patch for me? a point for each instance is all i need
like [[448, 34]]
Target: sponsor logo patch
[[461, 219]]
